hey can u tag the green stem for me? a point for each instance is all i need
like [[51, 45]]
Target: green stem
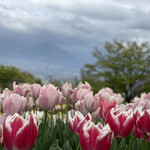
[[116, 144], [78, 148], [62, 112], [45, 118], [148, 145], [144, 142], [35, 107], [51, 118], [1, 109], [67, 108], [24, 114], [131, 141]]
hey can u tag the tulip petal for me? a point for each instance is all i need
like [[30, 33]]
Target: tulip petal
[[11, 126], [26, 135], [84, 138], [126, 126], [143, 122], [113, 122], [105, 107], [104, 143]]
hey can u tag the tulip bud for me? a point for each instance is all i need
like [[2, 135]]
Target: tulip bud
[[48, 97], [35, 90], [30, 103], [62, 100], [91, 103], [22, 89], [18, 133], [67, 89]]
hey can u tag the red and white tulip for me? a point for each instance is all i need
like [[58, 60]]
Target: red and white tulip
[[18, 133], [77, 120], [105, 107], [121, 122], [95, 137], [142, 119]]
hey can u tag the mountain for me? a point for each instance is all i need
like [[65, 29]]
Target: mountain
[[42, 59]]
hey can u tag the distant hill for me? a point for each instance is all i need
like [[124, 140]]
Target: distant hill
[[42, 59]]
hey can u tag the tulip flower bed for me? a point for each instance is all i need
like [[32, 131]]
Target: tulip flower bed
[[47, 118]]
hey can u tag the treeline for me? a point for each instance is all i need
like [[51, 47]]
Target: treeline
[[9, 74]]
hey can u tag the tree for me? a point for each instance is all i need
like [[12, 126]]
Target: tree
[[9, 74], [122, 66]]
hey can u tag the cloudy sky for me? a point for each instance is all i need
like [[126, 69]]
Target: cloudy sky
[[74, 27]]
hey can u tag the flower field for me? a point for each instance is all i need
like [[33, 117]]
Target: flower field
[[47, 118]]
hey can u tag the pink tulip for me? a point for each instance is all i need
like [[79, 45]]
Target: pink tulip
[[6, 93], [67, 90], [2, 119], [1, 134], [121, 122], [91, 103], [48, 97], [76, 121], [116, 97], [105, 107], [78, 95], [35, 90], [84, 86], [108, 95], [22, 89], [105, 93], [142, 119], [143, 101], [96, 114], [14, 104], [19, 134], [62, 100], [95, 137], [80, 106], [124, 107], [30, 103]]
